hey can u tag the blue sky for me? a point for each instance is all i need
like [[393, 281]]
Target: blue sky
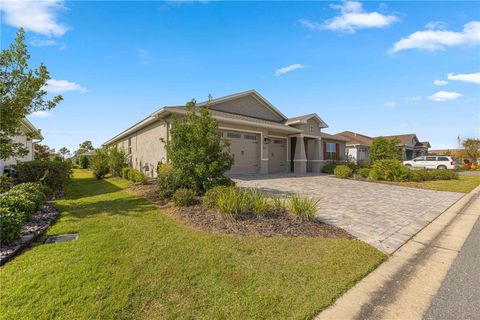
[[368, 67]]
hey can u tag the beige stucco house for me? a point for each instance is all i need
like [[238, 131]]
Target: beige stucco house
[[262, 139], [29, 133]]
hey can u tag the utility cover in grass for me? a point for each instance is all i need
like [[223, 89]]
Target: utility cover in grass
[[62, 238]]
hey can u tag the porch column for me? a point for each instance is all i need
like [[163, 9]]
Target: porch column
[[300, 160], [317, 149]]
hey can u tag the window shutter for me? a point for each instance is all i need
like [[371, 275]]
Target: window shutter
[[337, 151], [324, 151]]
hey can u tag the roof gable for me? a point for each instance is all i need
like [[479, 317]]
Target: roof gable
[[304, 119], [356, 138], [249, 103]]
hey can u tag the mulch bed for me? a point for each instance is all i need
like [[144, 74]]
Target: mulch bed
[[31, 230], [207, 219]]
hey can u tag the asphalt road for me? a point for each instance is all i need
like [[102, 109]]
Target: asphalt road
[[459, 295]]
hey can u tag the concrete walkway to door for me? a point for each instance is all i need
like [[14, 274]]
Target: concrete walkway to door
[[385, 216]]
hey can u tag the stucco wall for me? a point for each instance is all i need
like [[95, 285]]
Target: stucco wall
[[305, 127], [25, 142]]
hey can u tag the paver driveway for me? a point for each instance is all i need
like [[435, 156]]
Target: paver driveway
[[385, 216]]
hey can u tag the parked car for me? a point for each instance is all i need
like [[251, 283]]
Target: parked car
[[432, 162]]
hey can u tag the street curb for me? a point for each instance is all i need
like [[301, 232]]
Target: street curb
[[381, 291]]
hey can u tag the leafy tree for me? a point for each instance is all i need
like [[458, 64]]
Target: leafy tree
[[196, 150], [384, 149], [41, 151], [64, 152], [22, 93], [83, 147], [472, 148], [116, 160], [84, 162], [99, 163]]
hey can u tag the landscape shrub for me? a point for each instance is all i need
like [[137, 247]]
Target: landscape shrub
[[116, 160], [5, 183], [99, 163], [19, 203], [384, 149], [211, 196], [329, 167], [303, 207], [429, 175], [389, 170], [342, 171], [10, 225], [167, 182], [218, 181], [33, 191], [279, 204], [353, 166], [84, 162], [184, 197], [54, 174], [124, 172], [363, 172], [260, 204], [136, 176], [233, 201]]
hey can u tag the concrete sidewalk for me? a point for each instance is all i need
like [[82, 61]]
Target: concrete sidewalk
[[405, 285]]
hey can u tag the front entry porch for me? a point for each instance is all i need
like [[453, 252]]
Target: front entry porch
[[306, 154]]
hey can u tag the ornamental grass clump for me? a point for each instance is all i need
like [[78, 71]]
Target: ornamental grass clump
[[233, 202], [303, 207], [210, 198], [261, 204]]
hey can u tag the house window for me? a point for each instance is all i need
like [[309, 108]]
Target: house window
[[129, 145], [250, 137], [331, 151]]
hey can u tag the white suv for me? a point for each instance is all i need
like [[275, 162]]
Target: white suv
[[431, 162]]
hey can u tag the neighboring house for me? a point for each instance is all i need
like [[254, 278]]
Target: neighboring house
[[262, 139], [27, 129], [358, 146]]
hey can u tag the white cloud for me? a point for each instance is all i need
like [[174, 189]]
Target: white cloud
[[289, 68], [415, 98], [442, 96], [440, 83], [390, 104], [352, 17], [466, 77], [436, 25], [36, 16], [59, 86], [310, 24], [36, 42], [40, 114], [433, 40]]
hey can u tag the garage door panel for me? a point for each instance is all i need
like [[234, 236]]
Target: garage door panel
[[277, 157], [245, 148]]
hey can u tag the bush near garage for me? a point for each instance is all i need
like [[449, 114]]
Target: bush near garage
[[53, 174], [124, 172], [389, 170], [343, 172], [329, 167], [167, 182], [363, 172], [136, 176], [184, 197]]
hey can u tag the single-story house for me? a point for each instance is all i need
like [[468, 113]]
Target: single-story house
[[358, 146], [29, 133], [262, 139]]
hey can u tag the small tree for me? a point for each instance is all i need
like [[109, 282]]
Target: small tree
[[84, 162], [196, 150], [99, 163], [22, 93], [83, 147], [472, 148], [117, 160], [384, 149], [41, 152], [64, 152]]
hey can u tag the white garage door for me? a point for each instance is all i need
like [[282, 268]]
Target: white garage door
[[245, 148]]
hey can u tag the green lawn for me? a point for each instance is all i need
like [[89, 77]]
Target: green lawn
[[134, 262], [465, 184]]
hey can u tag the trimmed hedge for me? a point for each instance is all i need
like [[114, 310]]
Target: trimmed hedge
[[38, 193], [389, 170], [343, 172], [429, 175], [364, 172], [54, 174], [329, 167], [136, 176]]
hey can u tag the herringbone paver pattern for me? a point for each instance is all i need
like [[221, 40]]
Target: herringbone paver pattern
[[385, 216]]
